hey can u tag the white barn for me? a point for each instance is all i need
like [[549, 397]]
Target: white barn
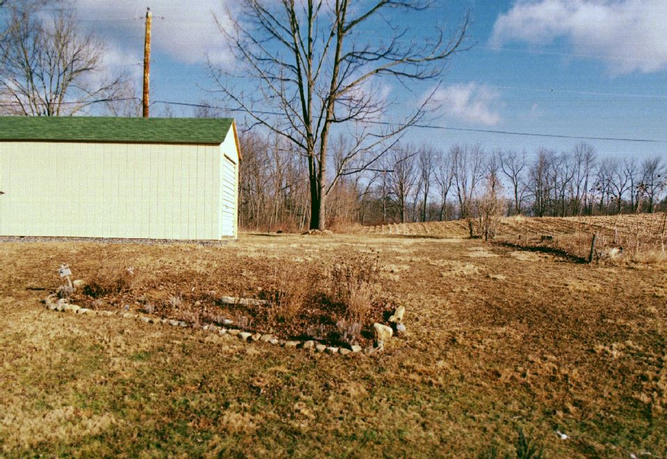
[[151, 178]]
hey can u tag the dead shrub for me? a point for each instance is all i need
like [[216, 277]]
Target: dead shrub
[[64, 291], [193, 317], [147, 308], [175, 301], [354, 284], [489, 208], [650, 257], [349, 332], [110, 282], [291, 288]]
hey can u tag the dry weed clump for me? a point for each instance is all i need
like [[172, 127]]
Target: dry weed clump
[[291, 289], [110, 281], [353, 282], [650, 257], [291, 297]]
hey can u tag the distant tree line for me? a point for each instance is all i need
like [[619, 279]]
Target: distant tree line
[[419, 184]]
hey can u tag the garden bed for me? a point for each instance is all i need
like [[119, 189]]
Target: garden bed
[[335, 304]]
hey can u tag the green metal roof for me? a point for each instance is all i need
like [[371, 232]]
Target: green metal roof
[[117, 130]]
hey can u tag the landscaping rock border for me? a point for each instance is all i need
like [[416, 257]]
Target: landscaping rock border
[[53, 303]]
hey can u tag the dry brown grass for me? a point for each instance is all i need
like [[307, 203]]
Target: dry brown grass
[[629, 238], [494, 346], [353, 283]]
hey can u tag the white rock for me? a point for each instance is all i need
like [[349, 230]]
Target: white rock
[[332, 350], [309, 345], [172, 322], [400, 329], [71, 307], [344, 351], [267, 338], [355, 348], [233, 331], [320, 347], [397, 318], [382, 333], [245, 335], [78, 283], [256, 337], [291, 344]]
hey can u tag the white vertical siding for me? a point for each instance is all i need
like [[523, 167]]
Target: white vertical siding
[[114, 190], [228, 209], [228, 196]]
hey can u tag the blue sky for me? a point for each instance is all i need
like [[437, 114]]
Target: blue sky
[[580, 68]]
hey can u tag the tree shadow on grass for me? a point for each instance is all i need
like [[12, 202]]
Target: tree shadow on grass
[[555, 251]]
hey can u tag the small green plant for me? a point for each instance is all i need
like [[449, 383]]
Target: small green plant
[[527, 448]]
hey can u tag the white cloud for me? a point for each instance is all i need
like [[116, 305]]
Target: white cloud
[[472, 102], [186, 31], [630, 35]]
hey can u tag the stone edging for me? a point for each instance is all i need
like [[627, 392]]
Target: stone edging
[[54, 304]]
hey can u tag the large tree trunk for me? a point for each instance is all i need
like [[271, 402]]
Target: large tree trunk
[[319, 218], [316, 211]]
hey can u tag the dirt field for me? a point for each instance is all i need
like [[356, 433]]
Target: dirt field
[[500, 340]]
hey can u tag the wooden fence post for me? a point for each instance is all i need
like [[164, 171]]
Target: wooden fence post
[[592, 254]]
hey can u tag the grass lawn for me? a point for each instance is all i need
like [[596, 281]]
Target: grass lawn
[[499, 341]]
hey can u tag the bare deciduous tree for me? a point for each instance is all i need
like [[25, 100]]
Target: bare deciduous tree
[[512, 166], [314, 64], [539, 181], [603, 180], [468, 172], [490, 205], [425, 162], [619, 183], [631, 171], [444, 177], [402, 177], [562, 172], [584, 162], [653, 181], [48, 66]]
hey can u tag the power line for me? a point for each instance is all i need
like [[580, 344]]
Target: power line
[[558, 91], [387, 123], [444, 128], [74, 102]]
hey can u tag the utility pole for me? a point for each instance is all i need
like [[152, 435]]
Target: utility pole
[[147, 62]]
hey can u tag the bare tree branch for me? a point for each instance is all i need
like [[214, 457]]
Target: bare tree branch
[[312, 62], [48, 66]]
